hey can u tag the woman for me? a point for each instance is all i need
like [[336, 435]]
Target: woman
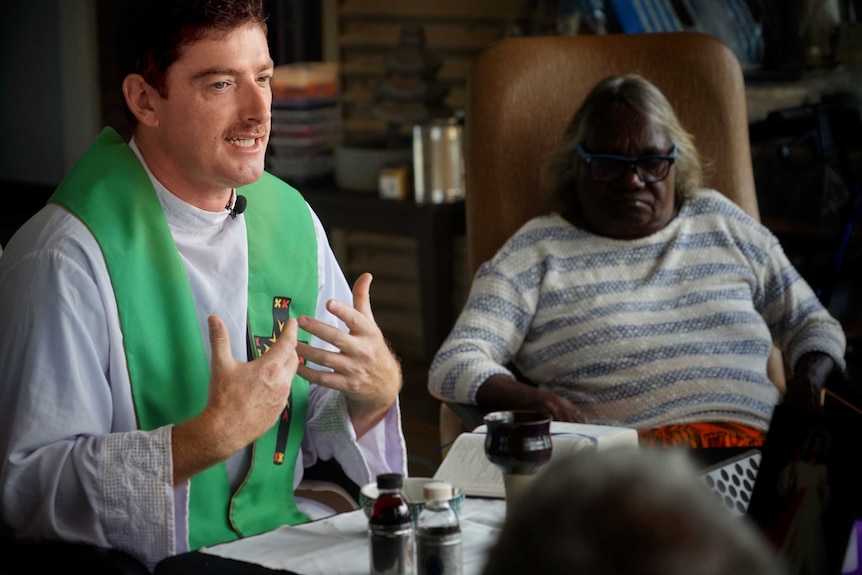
[[647, 302]]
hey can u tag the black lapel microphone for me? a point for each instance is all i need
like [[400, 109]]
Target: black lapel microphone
[[238, 206]]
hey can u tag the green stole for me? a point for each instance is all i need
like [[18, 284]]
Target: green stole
[[111, 193]]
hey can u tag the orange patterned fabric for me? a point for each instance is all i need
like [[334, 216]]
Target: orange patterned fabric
[[702, 435]]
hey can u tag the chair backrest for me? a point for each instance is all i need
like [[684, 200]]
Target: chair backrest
[[522, 92]]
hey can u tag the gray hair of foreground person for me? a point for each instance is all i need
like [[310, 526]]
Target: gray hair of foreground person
[[626, 511]]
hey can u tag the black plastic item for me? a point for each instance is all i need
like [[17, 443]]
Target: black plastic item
[[65, 558]]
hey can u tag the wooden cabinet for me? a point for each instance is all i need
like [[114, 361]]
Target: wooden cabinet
[[415, 252]]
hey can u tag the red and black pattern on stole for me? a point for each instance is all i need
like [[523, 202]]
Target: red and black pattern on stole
[[263, 343]]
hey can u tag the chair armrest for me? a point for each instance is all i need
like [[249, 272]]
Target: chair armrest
[[455, 419], [470, 415], [328, 493]]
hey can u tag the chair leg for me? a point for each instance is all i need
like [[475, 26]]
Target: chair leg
[[328, 493], [776, 370], [451, 427]]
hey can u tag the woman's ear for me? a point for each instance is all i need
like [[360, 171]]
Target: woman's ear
[[140, 98]]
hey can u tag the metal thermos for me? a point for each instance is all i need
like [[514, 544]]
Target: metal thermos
[[438, 161]]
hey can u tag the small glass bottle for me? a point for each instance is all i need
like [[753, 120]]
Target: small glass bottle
[[390, 528], [438, 533]]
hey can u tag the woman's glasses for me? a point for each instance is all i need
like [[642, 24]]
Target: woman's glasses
[[610, 168]]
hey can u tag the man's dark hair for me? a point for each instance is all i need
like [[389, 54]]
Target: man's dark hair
[[154, 33]]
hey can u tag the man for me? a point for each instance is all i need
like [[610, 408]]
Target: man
[[169, 364]]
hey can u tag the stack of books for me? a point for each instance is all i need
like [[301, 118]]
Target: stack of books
[[306, 122]]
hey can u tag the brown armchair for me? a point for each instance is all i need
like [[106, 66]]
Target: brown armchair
[[521, 94]]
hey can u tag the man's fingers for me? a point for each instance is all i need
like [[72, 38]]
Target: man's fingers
[[219, 340], [325, 332], [358, 317], [289, 332], [361, 294], [286, 342], [329, 379]]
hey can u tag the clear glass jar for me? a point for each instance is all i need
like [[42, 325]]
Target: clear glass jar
[[438, 533]]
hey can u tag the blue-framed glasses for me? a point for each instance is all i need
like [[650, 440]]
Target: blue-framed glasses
[[610, 168]]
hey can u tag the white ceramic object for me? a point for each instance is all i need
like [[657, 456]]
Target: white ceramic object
[[413, 492], [358, 169]]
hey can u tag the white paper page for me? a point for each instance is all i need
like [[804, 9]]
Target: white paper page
[[466, 465], [338, 545]]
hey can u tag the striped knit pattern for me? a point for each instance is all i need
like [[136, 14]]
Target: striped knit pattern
[[672, 328]]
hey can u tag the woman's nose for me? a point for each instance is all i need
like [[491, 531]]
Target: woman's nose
[[630, 178]]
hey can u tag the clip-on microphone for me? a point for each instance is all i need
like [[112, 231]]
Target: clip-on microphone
[[238, 206]]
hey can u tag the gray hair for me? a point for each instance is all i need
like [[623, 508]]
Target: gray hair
[[627, 511], [563, 169]]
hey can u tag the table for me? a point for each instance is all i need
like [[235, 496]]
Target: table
[[435, 227], [337, 545]]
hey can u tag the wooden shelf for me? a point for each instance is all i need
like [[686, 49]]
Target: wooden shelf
[[438, 37], [361, 32], [481, 10]]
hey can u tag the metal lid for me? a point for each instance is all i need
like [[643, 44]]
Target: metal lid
[[390, 481], [437, 491]]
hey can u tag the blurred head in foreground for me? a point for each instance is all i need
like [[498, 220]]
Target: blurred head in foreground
[[632, 512]]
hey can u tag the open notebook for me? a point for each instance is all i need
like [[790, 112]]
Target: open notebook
[[466, 465]]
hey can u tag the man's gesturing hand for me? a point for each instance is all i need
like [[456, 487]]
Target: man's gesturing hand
[[245, 400], [365, 370]]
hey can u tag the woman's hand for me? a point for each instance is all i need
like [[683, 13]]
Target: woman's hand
[[503, 392], [805, 388], [557, 406]]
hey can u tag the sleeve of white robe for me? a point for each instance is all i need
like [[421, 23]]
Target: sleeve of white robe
[[74, 465], [329, 431]]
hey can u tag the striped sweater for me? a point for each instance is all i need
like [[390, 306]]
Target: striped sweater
[[672, 328]]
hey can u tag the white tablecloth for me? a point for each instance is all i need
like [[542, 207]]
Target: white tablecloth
[[338, 545]]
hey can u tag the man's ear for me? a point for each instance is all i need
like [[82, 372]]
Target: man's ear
[[140, 98]]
